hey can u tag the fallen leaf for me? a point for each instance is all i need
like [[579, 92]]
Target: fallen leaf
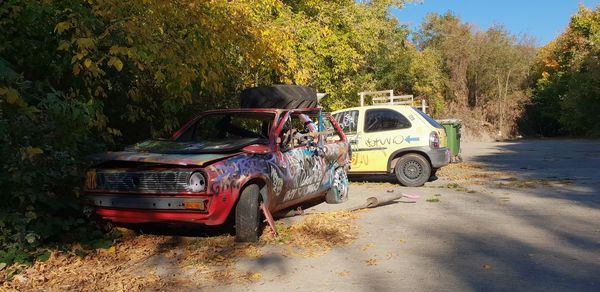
[[390, 255], [371, 262], [343, 273], [367, 246], [255, 276]]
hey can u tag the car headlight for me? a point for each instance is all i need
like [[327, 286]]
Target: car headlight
[[197, 182]]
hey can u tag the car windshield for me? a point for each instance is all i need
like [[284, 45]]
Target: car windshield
[[429, 119], [216, 127]]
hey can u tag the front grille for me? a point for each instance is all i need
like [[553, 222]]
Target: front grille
[[164, 181]]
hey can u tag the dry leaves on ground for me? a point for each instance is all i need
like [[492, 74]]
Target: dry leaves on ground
[[152, 262], [462, 174], [316, 234]]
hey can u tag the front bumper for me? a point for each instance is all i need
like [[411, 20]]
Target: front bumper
[[149, 203], [439, 157], [142, 208]]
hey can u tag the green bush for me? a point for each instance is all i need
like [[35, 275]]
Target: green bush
[[44, 136]]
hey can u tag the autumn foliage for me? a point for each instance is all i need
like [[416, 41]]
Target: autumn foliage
[[79, 77], [566, 97]]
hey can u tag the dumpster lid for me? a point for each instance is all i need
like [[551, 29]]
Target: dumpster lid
[[450, 121]]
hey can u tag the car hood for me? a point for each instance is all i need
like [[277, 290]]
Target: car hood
[[174, 159], [178, 153]]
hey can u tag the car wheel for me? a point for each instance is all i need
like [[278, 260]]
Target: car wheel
[[412, 170], [247, 215], [338, 193]]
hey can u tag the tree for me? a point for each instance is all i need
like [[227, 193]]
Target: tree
[[567, 95], [485, 73]]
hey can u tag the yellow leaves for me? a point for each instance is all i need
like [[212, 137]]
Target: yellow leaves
[[116, 63], [159, 77], [63, 46], [114, 132], [12, 96], [76, 57], [87, 63], [85, 43], [255, 277], [117, 50], [62, 27], [30, 152], [302, 76]]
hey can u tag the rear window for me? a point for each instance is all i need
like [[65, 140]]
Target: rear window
[[431, 121], [377, 120]]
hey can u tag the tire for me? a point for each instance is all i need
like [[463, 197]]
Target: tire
[[339, 187], [412, 170], [279, 96], [247, 215]]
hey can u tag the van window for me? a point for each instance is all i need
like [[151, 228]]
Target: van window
[[348, 121], [385, 120]]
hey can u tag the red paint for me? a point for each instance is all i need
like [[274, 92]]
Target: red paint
[[256, 149]]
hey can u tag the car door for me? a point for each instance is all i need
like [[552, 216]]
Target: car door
[[382, 131], [299, 162]]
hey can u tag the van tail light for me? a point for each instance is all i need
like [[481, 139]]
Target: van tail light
[[434, 140]]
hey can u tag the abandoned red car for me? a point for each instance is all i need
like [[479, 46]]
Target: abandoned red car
[[233, 162]]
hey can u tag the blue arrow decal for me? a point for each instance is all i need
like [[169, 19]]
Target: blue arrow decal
[[409, 139]]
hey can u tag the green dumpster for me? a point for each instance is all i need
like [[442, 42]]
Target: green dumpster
[[452, 128]]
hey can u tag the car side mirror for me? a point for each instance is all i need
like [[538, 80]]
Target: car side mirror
[[256, 149]]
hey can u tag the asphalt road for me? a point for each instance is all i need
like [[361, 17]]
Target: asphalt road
[[534, 226]]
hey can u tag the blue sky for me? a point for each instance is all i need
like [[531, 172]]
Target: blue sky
[[543, 20]]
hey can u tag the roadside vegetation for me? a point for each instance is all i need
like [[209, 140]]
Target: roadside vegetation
[[80, 77]]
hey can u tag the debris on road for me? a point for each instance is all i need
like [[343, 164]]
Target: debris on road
[[382, 200]]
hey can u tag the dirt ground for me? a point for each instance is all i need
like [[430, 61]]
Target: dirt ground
[[521, 215]]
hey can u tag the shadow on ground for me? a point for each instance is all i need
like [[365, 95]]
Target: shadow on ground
[[540, 238]]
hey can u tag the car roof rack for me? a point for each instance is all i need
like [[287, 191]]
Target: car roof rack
[[387, 97]]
